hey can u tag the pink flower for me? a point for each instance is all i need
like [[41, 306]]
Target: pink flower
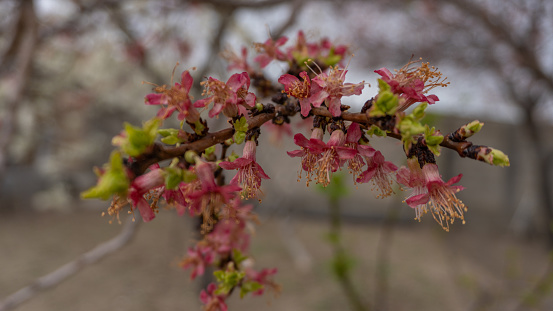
[[412, 83], [332, 155], [355, 164], [176, 98], [272, 51], [320, 52], [198, 258], [249, 173], [305, 92], [229, 234], [333, 88], [379, 172], [432, 194], [308, 156], [142, 185], [212, 301], [210, 197], [236, 62], [227, 96], [262, 277]]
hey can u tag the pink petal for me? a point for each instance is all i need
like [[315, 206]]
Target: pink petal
[[287, 79], [203, 102], [417, 200], [186, 80], [346, 153], [300, 140], [454, 180], [281, 41], [305, 105], [367, 175], [263, 60], [334, 106], [354, 133], [237, 80], [155, 99], [261, 172], [296, 153], [145, 210], [250, 99], [366, 151], [316, 99], [431, 99], [403, 176], [385, 73], [215, 110]]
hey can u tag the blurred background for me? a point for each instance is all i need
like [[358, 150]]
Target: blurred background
[[71, 73]]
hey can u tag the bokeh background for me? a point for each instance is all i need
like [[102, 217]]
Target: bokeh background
[[71, 73]]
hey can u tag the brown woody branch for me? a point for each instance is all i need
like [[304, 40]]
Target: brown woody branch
[[159, 152]]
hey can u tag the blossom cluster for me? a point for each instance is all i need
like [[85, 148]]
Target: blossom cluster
[[194, 181]]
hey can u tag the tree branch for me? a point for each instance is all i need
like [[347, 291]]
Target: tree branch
[[159, 152]]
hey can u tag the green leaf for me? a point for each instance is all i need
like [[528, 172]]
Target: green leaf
[[248, 287], [199, 127], [408, 128], [474, 126], [173, 177], [168, 132], [240, 129], [241, 125], [171, 140], [386, 102], [188, 176], [239, 137], [136, 140], [233, 156], [332, 60], [419, 112], [500, 158], [383, 86], [227, 280], [238, 257], [112, 181], [375, 130], [433, 139], [209, 150]]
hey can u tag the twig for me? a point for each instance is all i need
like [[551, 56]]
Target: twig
[[61, 274], [159, 152]]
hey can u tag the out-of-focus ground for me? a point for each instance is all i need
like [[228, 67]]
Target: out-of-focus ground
[[468, 268]]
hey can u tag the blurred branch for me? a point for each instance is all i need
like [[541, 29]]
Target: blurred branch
[[225, 18], [341, 263], [61, 274], [383, 259], [119, 19], [23, 58], [297, 7], [523, 46]]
